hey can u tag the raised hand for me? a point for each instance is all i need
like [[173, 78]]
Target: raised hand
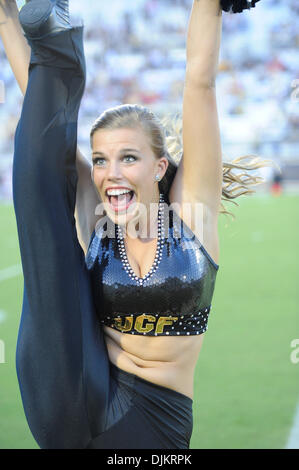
[[237, 6]]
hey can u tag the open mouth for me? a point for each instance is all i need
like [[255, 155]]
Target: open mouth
[[121, 202]]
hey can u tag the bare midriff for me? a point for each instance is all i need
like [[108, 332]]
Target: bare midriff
[[164, 360]]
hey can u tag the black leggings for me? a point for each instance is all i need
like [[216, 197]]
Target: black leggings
[[73, 396]]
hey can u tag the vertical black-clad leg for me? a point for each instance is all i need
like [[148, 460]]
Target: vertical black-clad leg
[[61, 359]]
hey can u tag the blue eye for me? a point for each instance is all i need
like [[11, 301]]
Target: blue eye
[[98, 161], [131, 157]]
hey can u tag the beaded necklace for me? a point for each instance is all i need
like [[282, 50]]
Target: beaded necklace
[[122, 248]]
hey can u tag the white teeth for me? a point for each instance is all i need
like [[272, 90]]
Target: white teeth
[[117, 192]]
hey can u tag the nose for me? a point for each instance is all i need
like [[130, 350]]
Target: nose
[[114, 171]]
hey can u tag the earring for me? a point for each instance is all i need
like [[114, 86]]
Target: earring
[[157, 178]]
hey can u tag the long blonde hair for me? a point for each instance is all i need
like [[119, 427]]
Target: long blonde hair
[[166, 140]]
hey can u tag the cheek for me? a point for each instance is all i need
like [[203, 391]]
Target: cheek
[[146, 175], [98, 178], [135, 175], [143, 181]]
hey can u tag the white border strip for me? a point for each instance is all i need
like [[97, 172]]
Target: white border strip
[[9, 273], [293, 441]]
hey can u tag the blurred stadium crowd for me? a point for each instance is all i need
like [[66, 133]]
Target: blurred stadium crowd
[[135, 53]]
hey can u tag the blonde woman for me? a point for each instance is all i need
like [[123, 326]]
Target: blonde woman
[[112, 327]]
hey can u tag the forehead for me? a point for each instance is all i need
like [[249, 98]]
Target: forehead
[[118, 139]]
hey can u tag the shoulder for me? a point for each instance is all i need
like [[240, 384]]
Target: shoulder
[[200, 219]]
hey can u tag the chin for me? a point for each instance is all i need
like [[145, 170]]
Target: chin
[[123, 218]]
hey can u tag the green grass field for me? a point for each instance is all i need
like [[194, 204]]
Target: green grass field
[[246, 388]]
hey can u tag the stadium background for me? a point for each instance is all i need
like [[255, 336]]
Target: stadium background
[[246, 383]]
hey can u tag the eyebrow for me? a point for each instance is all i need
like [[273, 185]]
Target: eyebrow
[[122, 151]]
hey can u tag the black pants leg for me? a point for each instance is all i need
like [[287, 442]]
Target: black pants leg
[[62, 361]]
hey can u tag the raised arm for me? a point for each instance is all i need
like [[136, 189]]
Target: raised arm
[[87, 200], [203, 43], [199, 176], [15, 45], [18, 54]]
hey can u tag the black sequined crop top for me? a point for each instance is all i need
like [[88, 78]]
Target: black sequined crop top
[[173, 298]]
